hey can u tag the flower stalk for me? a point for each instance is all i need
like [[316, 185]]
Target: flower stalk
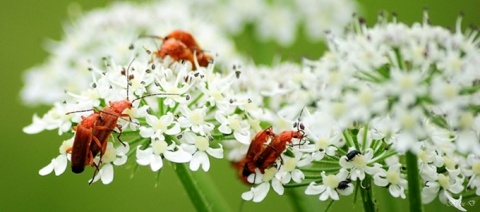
[[414, 192], [366, 191]]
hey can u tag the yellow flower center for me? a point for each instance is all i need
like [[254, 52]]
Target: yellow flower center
[[444, 181], [476, 167], [202, 143], [393, 177], [159, 147], [331, 181]]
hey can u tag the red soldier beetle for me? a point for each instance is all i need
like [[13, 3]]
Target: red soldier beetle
[[108, 121], [278, 145], [181, 45], [257, 145]]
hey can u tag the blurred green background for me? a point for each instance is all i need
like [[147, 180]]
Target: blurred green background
[[25, 25]]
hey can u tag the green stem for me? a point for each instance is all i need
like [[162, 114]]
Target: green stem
[[414, 193], [367, 194], [302, 202], [201, 189]]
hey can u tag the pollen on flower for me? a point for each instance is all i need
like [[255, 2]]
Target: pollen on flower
[[449, 91], [160, 125], [448, 162], [159, 147], [322, 143], [196, 117], [393, 177], [216, 94], [406, 82], [444, 181], [366, 97], [269, 174], [331, 181], [234, 123], [110, 154], [466, 120], [408, 121], [359, 162], [338, 109], [476, 168], [202, 143], [455, 63], [290, 164], [422, 155], [335, 77]]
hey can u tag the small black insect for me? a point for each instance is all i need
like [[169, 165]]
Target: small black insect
[[352, 154], [343, 184]]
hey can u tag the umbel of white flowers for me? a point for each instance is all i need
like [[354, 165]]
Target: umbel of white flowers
[[377, 93]]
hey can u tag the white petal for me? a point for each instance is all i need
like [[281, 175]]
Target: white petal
[[242, 137], [277, 187], [146, 132], [151, 119], [325, 195], [261, 192], [47, 169], [317, 156], [216, 153], [347, 191], [225, 129], [395, 190], [305, 161], [174, 130], [331, 150], [429, 193], [297, 176], [247, 196], [189, 148], [457, 203], [220, 118], [314, 189], [333, 194], [121, 159], [167, 118], [107, 174], [284, 177], [156, 163], [380, 181], [179, 156], [122, 150], [357, 174], [196, 161], [60, 164], [342, 174], [37, 126], [144, 156], [344, 163], [205, 161]]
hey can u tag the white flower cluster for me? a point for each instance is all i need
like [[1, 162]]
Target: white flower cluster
[[378, 93], [183, 113], [109, 32], [279, 20]]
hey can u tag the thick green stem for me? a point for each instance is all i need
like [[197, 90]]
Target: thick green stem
[[367, 194], [201, 189], [414, 193]]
